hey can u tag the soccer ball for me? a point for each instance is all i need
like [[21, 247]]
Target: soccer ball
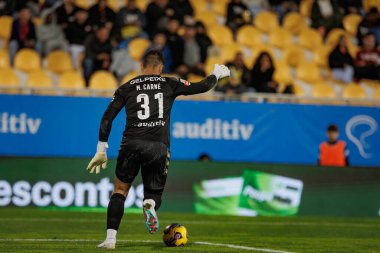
[[175, 235]]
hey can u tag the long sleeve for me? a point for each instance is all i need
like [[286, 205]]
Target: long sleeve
[[113, 109], [183, 87]]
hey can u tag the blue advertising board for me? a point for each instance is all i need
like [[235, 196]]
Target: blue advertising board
[[227, 131]]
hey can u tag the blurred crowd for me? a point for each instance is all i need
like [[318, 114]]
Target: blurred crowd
[[97, 38]]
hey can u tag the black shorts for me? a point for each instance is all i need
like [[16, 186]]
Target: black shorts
[[153, 159]]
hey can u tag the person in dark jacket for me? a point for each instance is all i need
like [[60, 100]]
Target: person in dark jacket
[[341, 63], [98, 51], [157, 14], [325, 15], [203, 40], [370, 23], [160, 43], [66, 13], [182, 9], [262, 74], [175, 43], [367, 61], [237, 14], [23, 34], [101, 15], [131, 21]]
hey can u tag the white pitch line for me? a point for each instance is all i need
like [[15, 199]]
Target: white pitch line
[[231, 246], [260, 223]]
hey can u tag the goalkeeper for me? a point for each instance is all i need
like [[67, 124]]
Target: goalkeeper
[[148, 100]]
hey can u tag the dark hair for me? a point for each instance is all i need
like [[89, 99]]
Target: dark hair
[[332, 128], [153, 58], [369, 34], [257, 63]]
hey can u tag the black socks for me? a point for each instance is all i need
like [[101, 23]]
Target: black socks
[[115, 211]]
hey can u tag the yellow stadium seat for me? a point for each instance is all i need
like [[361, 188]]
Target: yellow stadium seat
[[199, 6], [220, 7], [323, 90], [228, 51], [211, 61], [208, 18], [368, 4], [6, 27], [85, 4], [115, 5], [308, 72], [9, 79], [102, 80], [27, 60], [129, 76], [215, 33], [193, 78], [39, 79], [137, 48], [298, 90], [266, 21], [59, 62], [351, 23], [71, 80], [310, 39], [334, 35], [376, 94], [280, 38], [294, 22], [305, 7], [282, 73], [142, 4], [321, 55], [37, 21], [249, 36], [354, 90], [294, 56], [4, 59]]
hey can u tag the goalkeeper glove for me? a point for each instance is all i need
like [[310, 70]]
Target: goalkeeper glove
[[220, 71], [100, 158]]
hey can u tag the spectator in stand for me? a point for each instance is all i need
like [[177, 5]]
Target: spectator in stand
[[341, 63], [158, 12], [370, 23], [175, 43], [101, 15], [66, 13], [239, 80], [325, 15], [203, 40], [192, 55], [367, 62], [333, 152], [283, 7], [32, 5], [262, 74], [183, 11], [76, 34], [159, 43], [351, 6], [131, 21], [257, 6], [98, 51], [6, 7], [237, 14], [50, 35], [23, 34]]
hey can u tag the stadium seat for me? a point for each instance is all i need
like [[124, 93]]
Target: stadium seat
[[266, 21], [282, 74], [334, 35], [102, 80], [6, 27], [308, 72], [323, 90], [71, 80], [310, 39], [294, 22], [9, 79], [228, 51], [280, 38], [220, 7], [294, 56], [354, 90], [368, 4], [215, 35], [37, 21], [142, 4], [59, 62], [351, 23], [137, 48], [4, 59], [305, 7], [208, 18], [193, 78], [321, 55], [115, 5], [376, 93], [298, 90], [249, 36], [27, 60], [210, 62], [199, 6], [39, 79], [129, 76], [85, 4]]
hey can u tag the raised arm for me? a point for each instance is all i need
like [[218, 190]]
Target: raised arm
[[183, 87]]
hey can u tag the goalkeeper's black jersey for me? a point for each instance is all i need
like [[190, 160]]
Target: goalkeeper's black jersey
[[148, 100]]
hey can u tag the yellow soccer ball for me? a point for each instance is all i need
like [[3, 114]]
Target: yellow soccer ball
[[175, 235]]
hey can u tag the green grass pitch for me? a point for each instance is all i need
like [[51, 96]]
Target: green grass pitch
[[39, 230]]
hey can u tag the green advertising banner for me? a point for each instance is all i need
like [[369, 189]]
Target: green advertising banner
[[206, 188]]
